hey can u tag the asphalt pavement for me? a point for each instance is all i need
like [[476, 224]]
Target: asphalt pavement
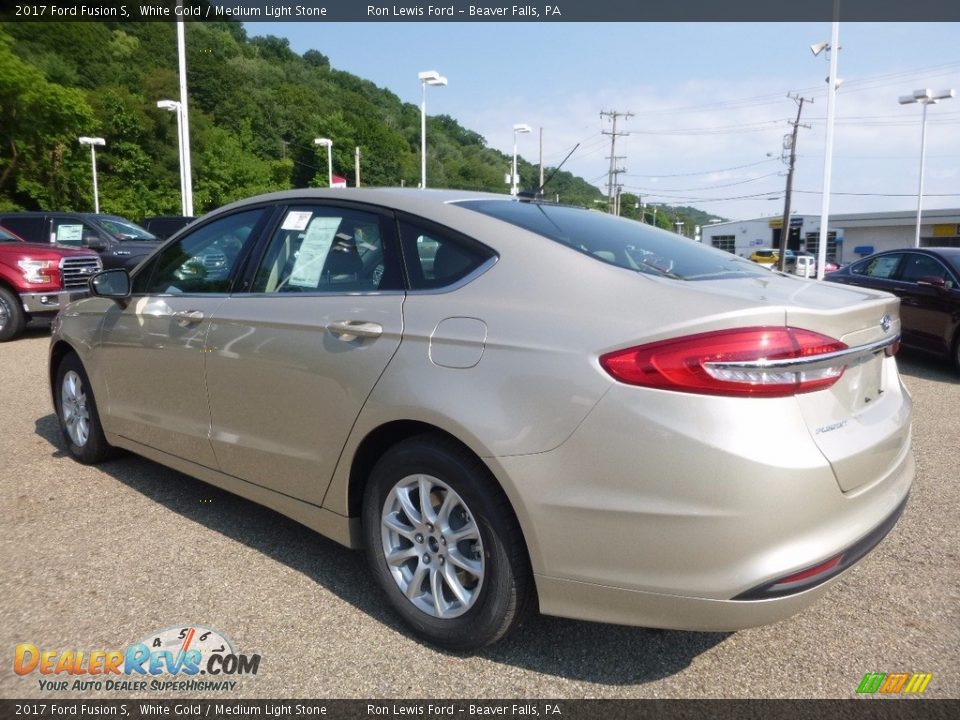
[[98, 558]]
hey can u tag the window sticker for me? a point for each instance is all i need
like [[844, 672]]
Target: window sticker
[[313, 252], [69, 233], [296, 220]]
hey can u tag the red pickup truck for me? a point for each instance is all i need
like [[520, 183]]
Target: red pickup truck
[[37, 279]]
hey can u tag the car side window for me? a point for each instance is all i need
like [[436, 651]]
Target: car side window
[[881, 267], [328, 249], [918, 267], [73, 231], [436, 258], [201, 262], [30, 229]]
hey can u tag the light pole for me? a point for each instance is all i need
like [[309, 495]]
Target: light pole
[[925, 97], [427, 77], [328, 143], [184, 116], [176, 107], [816, 49], [518, 129], [93, 142]]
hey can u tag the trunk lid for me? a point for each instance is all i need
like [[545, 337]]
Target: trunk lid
[[861, 424]]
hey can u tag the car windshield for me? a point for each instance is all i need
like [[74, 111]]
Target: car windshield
[[6, 237], [124, 229], [617, 241], [953, 258]]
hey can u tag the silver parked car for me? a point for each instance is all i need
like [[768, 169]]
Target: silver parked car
[[508, 404]]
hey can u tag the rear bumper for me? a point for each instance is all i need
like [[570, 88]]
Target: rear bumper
[[662, 508], [38, 303], [588, 601], [600, 603]]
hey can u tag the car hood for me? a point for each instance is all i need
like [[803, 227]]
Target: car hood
[[59, 250]]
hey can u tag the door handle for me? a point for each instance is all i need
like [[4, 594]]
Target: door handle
[[349, 330], [186, 318]]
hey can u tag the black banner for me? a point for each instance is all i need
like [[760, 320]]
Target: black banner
[[484, 10], [862, 709]]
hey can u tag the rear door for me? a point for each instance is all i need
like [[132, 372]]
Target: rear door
[[291, 362]]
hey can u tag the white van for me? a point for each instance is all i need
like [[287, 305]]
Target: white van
[[806, 266]]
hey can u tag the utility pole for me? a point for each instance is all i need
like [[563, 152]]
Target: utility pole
[[785, 228], [356, 163], [541, 159], [611, 179]]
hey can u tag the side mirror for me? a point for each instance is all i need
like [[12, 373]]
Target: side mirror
[[114, 284], [96, 244], [933, 281]]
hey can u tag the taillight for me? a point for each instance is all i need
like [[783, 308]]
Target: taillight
[[756, 361]]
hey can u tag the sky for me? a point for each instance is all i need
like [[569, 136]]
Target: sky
[[709, 102]]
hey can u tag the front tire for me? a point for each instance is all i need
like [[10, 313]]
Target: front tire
[[444, 544], [12, 318], [955, 353], [77, 413]]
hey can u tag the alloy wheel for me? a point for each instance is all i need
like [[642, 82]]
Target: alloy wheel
[[432, 546], [73, 405]]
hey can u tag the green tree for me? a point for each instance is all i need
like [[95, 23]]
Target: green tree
[[39, 125]]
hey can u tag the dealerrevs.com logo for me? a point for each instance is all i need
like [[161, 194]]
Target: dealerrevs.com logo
[[187, 658]]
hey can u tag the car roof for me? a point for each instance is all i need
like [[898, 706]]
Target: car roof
[[946, 251], [409, 199]]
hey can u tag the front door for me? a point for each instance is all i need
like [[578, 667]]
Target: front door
[[153, 349]]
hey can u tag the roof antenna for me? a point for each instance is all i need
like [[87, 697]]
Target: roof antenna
[[528, 195]]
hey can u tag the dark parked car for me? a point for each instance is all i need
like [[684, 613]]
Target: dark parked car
[[120, 242], [927, 281], [163, 226]]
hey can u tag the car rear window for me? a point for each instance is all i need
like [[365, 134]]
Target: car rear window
[[617, 241], [30, 229]]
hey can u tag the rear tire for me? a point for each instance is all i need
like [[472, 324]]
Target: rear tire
[[12, 317], [444, 545], [77, 413]]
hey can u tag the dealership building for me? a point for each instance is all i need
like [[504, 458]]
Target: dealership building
[[849, 237]]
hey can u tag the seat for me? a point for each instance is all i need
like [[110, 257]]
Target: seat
[[343, 263]]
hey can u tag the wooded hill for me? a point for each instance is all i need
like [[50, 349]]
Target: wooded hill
[[255, 108]]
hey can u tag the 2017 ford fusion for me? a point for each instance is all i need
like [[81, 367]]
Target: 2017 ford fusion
[[509, 404]]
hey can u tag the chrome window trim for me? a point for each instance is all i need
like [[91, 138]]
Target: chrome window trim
[[321, 293], [850, 356]]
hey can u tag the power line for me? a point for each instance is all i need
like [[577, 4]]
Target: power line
[[857, 85], [708, 187], [709, 172]]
